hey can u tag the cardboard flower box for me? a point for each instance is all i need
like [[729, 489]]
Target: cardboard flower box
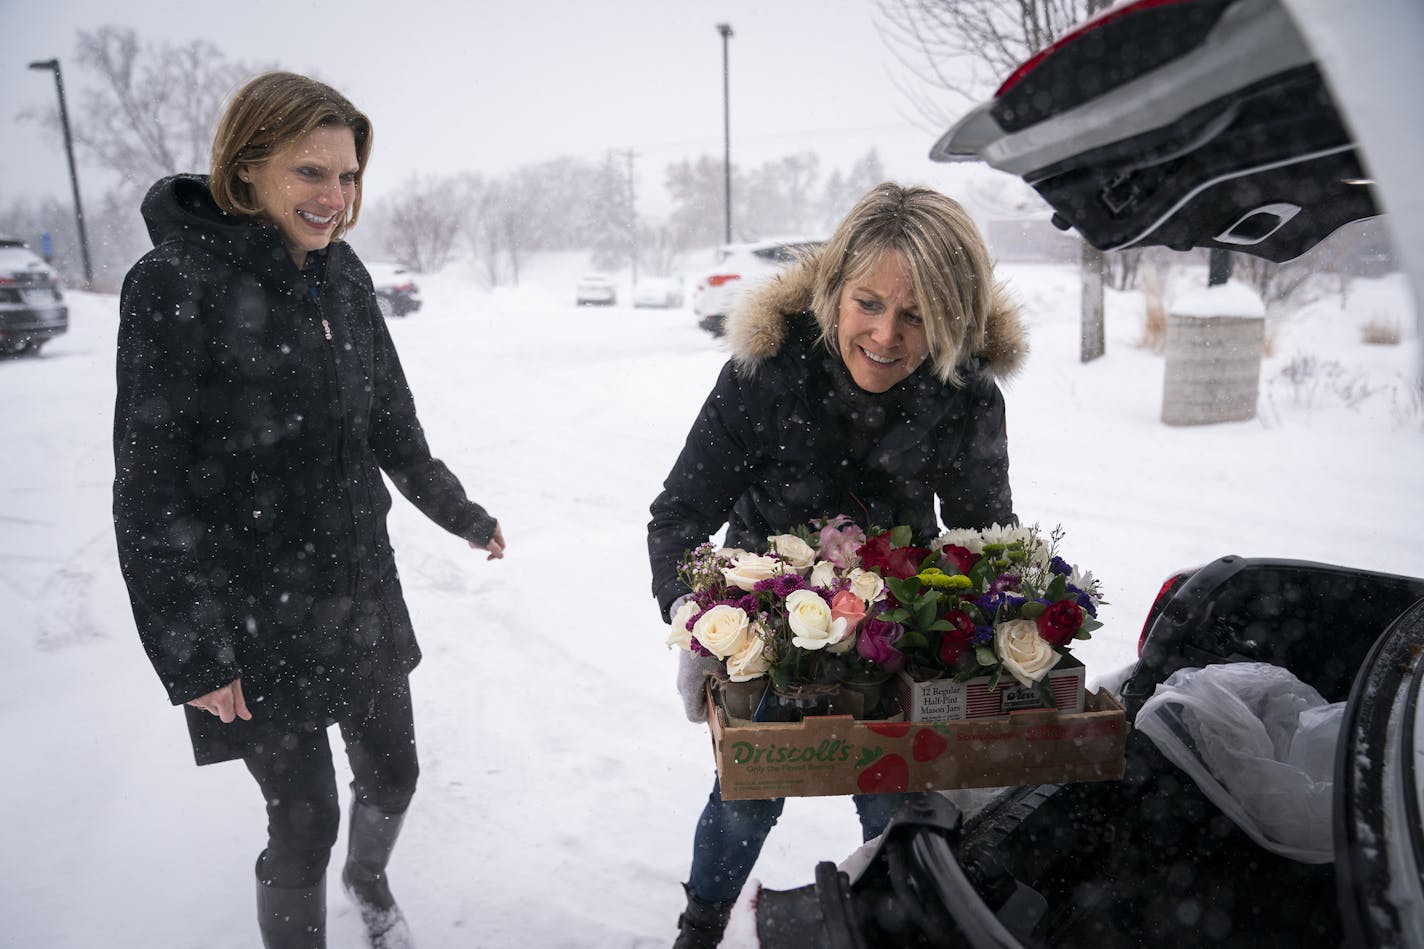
[[836, 754], [940, 700]]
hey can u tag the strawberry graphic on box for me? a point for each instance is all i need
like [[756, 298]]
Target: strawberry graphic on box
[[883, 774], [928, 745]]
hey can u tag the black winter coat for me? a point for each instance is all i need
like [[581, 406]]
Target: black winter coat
[[786, 436], [257, 407]]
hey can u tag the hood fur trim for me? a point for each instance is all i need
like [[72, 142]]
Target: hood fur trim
[[758, 324]]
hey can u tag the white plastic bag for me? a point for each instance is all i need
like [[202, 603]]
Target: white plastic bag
[[1260, 744]]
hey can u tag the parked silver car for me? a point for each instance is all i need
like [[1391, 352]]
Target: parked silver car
[[32, 308]]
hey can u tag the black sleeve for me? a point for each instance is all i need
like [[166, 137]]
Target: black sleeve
[[975, 491], [717, 464], [402, 452], [185, 614]]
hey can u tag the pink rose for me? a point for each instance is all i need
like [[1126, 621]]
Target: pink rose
[[849, 607]]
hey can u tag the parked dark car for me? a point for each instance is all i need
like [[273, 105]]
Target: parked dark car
[[1141, 130], [397, 293], [32, 307]]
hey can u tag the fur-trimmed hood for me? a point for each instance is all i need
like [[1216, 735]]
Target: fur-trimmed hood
[[758, 325]]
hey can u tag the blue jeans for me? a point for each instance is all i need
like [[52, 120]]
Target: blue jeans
[[730, 835]]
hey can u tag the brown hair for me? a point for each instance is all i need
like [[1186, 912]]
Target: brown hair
[[950, 269], [270, 112]]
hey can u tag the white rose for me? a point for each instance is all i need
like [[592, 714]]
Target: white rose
[[1025, 654], [750, 569], [867, 585], [681, 635], [750, 661], [723, 630], [793, 550], [823, 574], [809, 617]]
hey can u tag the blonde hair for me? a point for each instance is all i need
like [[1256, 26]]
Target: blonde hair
[[950, 269], [270, 112]]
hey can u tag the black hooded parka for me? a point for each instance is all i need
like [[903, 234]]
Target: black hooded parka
[[786, 437], [257, 407]]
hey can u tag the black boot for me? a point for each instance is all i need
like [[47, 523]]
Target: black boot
[[292, 917], [373, 837], [700, 926]]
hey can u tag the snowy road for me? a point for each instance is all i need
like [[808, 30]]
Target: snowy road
[[567, 821]]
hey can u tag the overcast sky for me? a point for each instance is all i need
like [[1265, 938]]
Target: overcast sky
[[486, 86]]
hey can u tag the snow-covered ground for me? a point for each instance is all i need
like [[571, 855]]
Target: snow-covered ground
[[560, 781]]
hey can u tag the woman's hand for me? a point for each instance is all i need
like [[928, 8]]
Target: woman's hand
[[226, 703], [495, 545]]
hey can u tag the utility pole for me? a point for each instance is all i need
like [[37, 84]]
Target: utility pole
[[726, 30], [52, 65], [630, 155]]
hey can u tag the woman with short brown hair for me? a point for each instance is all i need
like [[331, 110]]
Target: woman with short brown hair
[[260, 400]]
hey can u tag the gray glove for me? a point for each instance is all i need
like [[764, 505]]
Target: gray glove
[[692, 673]]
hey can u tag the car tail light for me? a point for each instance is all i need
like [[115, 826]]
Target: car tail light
[[1096, 23], [716, 280], [1159, 603]]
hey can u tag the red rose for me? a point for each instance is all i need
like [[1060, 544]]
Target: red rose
[[904, 562], [1059, 622], [900, 563], [874, 552], [956, 642], [961, 558]]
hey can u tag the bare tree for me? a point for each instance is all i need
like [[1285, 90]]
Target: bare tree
[[149, 113], [966, 47], [422, 220], [697, 194], [154, 111], [961, 48]]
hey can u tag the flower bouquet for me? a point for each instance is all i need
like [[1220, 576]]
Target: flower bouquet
[[832, 607]]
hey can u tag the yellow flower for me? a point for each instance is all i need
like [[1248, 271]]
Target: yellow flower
[[937, 579]]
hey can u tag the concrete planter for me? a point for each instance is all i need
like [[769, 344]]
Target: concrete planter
[[1215, 340]]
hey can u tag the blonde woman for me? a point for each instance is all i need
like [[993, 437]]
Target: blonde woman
[[862, 382]]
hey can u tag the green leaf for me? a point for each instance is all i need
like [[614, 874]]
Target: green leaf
[[1058, 589], [925, 612], [911, 640], [940, 626], [985, 655], [974, 613], [1089, 624], [994, 679], [901, 536], [1032, 610], [1044, 693], [906, 591]]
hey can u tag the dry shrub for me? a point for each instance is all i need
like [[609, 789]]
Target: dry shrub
[[1154, 322], [1380, 331]]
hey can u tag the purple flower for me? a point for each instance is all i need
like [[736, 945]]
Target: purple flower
[[1004, 582], [697, 649], [983, 635], [876, 643], [1085, 601], [782, 585], [1061, 567]]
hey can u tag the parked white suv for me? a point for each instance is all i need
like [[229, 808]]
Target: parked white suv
[[739, 267]]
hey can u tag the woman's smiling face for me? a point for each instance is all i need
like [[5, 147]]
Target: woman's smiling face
[[879, 331], [306, 187]]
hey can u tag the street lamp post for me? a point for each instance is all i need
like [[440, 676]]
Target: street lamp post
[[53, 66], [726, 30]]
